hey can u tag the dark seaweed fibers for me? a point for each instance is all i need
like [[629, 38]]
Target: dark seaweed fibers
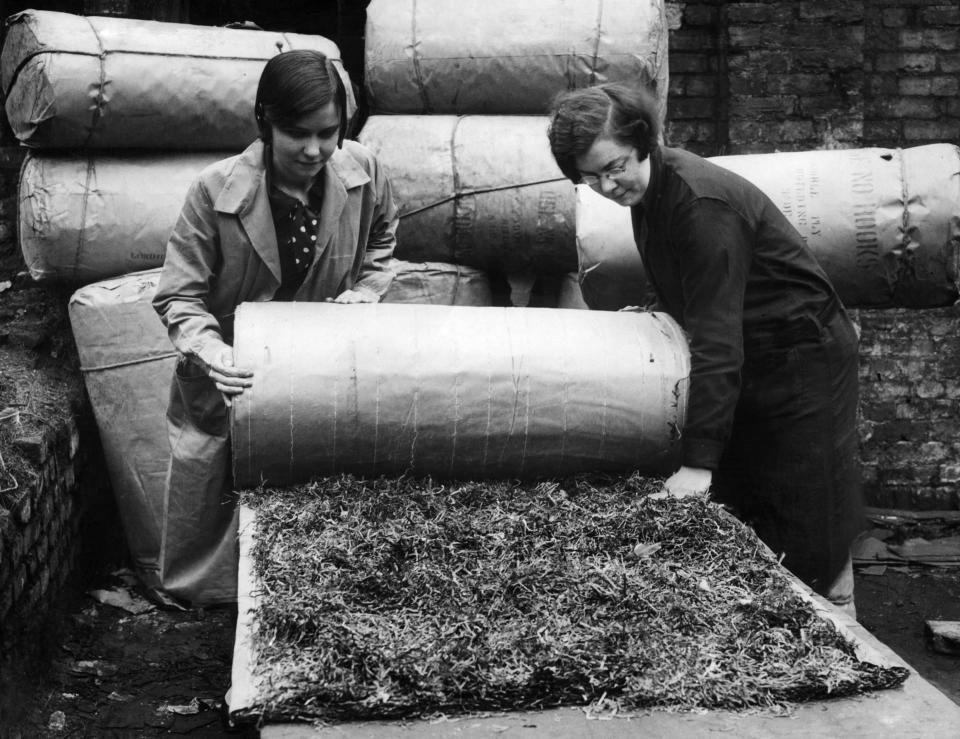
[[388, 598]]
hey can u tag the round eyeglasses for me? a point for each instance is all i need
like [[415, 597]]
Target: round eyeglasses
[[592, 180]]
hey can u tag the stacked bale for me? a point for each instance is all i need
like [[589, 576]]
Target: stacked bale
[[483, 189], [127, 362], [86, 217], [507, 57], [883, 223], [477, 190], [77, 86], [81, 81]]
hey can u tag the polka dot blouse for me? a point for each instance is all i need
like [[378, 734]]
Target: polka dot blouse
[[297, 226]]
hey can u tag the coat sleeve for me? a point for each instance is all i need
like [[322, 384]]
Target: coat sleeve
[[716, 246], [193, 252], [377, 269]]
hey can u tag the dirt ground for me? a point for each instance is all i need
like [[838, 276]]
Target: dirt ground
[[160, 673]]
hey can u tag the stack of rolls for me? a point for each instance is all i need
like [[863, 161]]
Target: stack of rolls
[[460, 93], [120, 115]]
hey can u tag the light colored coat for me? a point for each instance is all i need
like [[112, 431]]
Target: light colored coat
[[223, 252]]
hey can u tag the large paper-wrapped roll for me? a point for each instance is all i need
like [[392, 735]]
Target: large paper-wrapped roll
[[127, 362], [456, 392], [507, 57], [80, 81], [883, 223], [86, 218], [483, 191]]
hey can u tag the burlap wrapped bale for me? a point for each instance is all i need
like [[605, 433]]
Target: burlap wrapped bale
[[454, 391], [81, 81], [883, 223], [483, 191], [507, 57], [86, 218], [127, 362]]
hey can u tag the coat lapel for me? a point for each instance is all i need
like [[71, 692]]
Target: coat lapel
[[342, 173], [245, 195]]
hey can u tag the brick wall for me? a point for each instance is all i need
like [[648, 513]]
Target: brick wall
[[787, 75], [912, 68], [57, 518], [910, 408]]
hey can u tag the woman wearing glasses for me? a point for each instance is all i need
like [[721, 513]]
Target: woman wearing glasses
[[771, 413]]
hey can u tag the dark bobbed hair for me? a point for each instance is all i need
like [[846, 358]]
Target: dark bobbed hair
[[294, 84], [628, 114]]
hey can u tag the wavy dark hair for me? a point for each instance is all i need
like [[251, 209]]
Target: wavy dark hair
[[627, 113], [294, 84]]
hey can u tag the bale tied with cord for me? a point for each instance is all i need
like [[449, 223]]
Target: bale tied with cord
[[505, 57], [884, 224], [94, 82], [483, 191]]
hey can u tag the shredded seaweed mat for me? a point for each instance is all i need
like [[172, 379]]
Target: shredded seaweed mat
[[398, 597]]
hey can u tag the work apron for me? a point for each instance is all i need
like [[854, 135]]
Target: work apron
[[198, 553], [791, 469]]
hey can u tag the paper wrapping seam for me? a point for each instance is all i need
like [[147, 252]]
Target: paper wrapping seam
[[100, 102], [596, 43], [82, 232], [415, 59]]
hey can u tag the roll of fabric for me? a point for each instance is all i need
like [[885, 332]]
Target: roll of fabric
[[482, 191], [87, 81], [507, 57], [437, 283], [87, 218], [883, 223], [460, 392], [127, 362]]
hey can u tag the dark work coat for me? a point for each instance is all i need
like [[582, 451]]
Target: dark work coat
[[773, 382]]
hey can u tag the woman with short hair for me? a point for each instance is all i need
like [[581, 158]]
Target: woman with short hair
[[302, 214], [771, 413]]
